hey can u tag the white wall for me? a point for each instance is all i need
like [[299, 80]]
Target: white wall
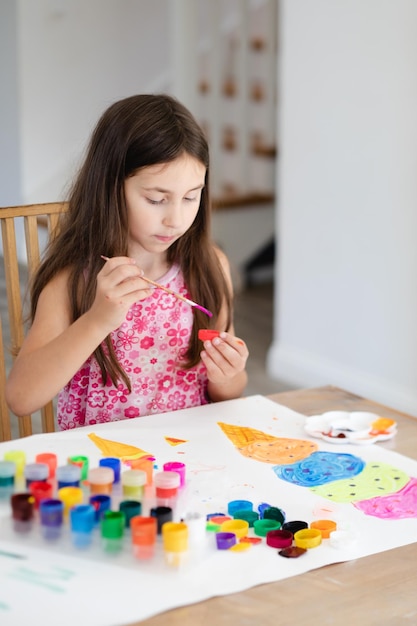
[[9, 112], [75, 58], [346, 306]]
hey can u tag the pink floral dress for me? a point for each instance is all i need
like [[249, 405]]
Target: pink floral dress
[[150, 345]]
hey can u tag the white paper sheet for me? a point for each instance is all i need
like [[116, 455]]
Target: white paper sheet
[[61, 585]]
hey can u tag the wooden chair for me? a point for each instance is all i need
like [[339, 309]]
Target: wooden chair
[[37, 219]]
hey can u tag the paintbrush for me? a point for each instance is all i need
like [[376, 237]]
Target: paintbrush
[[172, 293]]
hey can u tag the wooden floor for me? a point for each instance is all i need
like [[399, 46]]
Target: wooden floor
[[253, 323]]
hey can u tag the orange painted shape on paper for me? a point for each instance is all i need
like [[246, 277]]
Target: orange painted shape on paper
[[116, 449], [175, 442], [260, 446]]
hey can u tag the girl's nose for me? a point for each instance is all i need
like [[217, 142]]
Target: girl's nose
[[172, 215]]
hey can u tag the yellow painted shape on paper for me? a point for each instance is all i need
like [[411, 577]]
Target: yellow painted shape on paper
[[122, 451], [257, 445]]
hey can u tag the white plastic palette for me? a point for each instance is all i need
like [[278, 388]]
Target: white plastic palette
[[357, 427]]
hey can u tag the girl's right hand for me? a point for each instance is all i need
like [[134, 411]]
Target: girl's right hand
[[119, 285]]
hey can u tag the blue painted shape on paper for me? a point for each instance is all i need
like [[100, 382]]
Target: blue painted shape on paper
[[320, 468]]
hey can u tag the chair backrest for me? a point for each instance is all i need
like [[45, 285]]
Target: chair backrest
[[38, 220]]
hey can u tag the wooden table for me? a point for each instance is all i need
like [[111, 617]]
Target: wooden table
[[379, 589]]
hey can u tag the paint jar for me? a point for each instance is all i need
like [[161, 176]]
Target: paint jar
[[101, 480], [100, 503], [22, 511], [143, 531], [40, 490], [82, 522], [196, 523], [36, 471], [18, 457], [115, 465], [130, 508], [68, 476], [174, 466], [239, 505], [82, 462], [166, 487], [70, 496], [51, 515], [50, 459], [7, 474], [146, 465], [175, 543], [112, 530], [162, 514], [133, 484]]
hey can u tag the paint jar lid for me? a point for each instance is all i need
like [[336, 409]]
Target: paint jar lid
[[274, 512], [7, 469], [36, 471], [239, 505], [264, 526], [279, 538], [68, 473], [101, 476], [167, 480], [225, 540], [295, 525], [246, 514], [134, 478]]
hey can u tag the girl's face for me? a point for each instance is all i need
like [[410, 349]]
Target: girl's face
[[162, 203]]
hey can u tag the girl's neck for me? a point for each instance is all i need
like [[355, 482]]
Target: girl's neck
[[154, 267]]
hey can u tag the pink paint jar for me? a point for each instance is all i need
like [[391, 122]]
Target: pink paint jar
[[175, 466]]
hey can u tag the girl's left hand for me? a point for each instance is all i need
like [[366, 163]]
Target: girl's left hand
[[224, 356]]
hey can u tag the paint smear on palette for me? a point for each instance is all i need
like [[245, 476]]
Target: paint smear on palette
[[399, 505], [320, 468], [376, 479], [258, 445]]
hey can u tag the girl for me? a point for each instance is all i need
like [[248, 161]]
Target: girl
[[101, 337]]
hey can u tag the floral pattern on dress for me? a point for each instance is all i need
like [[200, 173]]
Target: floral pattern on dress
[[150, 345]]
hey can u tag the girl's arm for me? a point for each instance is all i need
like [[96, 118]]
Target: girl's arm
[[225, 356], [54, 348]]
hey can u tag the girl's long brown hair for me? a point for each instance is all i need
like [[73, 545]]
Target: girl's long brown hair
[[133, 133]]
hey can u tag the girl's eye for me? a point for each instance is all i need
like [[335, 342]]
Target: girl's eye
[[154, 201], [190, 199]]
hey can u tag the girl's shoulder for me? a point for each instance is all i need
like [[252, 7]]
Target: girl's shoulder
[[222, 257]]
